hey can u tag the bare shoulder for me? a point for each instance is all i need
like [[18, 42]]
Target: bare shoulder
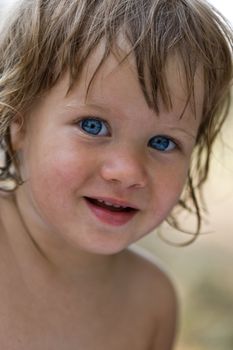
[[151, 273], [158, 293]]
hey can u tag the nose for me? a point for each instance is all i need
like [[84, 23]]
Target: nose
[[125, 168]]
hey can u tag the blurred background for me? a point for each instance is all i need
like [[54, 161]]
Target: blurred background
[[202, 272]]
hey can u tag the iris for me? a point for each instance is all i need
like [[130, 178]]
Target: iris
[[92, 126], [161, 143]]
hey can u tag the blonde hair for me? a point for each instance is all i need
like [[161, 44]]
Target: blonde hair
[[43, 38]]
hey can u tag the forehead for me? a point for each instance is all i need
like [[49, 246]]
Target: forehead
[[188, 93], [116, 80]]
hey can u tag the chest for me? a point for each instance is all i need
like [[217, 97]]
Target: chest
[[125, 334], [117, 325]]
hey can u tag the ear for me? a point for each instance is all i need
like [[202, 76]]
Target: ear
[[17, 132]]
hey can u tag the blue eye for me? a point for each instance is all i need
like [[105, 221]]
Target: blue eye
[[94, 126], [162, 143]]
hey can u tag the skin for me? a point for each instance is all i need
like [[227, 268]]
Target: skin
[[77, 283]]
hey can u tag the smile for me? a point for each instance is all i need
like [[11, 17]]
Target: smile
[[110, 212]]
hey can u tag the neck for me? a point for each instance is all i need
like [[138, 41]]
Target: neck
[[41, 257]]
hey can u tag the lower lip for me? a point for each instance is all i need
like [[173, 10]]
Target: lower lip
[[110, 217]]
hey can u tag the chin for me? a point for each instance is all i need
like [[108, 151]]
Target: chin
[[107, 249], [104, 247]]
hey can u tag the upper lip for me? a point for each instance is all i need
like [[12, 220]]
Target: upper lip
[[116, 201]]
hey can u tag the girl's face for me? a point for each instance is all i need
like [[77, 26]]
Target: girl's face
[[101, 169]]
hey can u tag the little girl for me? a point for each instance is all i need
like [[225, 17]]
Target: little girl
[[102, 104]]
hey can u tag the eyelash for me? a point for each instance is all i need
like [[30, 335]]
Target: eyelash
[[164, 143]]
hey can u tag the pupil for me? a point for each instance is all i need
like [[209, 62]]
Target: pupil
[[161, 143], [93, 126]]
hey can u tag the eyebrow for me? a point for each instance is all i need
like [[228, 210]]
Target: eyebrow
[[184, 131], [101, 108]]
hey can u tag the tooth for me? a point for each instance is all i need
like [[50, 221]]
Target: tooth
[[117, 206], [108, 203], [100, 200], [114, 205]]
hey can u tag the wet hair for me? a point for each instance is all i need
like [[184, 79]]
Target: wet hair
[[41, 39]]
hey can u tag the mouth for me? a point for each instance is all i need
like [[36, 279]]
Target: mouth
[[111, 211], [109, 205]]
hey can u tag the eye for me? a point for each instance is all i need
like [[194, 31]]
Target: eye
[[94, 126], [162, 143]]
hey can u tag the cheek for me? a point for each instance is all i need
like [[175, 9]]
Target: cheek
[[56, 178], [64, 163], [168, 189], [164, 195]]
